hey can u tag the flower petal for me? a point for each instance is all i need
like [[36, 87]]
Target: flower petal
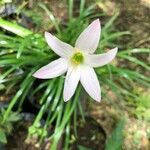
[[89, 38], [52, 70], [90, 83], [101, 59], [60, 48], [71, 82]]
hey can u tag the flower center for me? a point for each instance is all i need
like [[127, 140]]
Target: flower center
[[77, 58]]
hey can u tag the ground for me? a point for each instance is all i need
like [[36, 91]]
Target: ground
[[134, 17]]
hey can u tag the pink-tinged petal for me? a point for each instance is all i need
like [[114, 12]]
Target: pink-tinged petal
[[52, 70], [101, 59], [90, 83], [60, 48], [89, 38], [71, 82]]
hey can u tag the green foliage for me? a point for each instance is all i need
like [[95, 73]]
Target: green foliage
[[14, 27], [81, 147], [142, 105], [3, 138], [2, 2], [23, 52], [115, 141], [6, 126]]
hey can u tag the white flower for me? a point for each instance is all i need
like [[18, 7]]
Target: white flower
[[77, 61]]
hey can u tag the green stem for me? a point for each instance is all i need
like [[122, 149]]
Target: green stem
[[49, 89], [14, 28], [67, 136], [70, 9], [57, 135], [75, 122], [16, 97], [41, 112], [71, 106], [82, 4], [39, 116], [81, 110], [45, 126], [24, 95], [58, 94]]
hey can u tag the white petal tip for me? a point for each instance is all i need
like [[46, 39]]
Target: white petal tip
[[96, 23], [36, 75], [47, 34], [113, 51], [98, 99], [66, 99]]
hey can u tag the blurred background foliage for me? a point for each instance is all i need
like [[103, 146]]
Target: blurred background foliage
[[124, 113]]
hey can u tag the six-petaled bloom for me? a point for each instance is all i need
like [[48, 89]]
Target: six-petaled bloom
[[77, 61]]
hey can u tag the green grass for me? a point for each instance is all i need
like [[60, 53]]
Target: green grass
[[115, 141], [22, 52]]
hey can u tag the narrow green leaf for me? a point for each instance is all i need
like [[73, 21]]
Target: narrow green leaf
[[81, 147], [70, 9], [115, 141], [14, 28], [82, 4], [3, 138], [110, 22]]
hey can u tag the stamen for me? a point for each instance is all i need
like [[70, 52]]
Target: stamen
[[77, 58]]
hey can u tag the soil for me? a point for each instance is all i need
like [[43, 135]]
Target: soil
[[134, 17], [16, 141], [89, 135]]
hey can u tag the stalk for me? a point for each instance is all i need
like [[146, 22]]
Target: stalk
[[14, 28], [16, 97]]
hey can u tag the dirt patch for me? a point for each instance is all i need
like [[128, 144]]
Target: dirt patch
[[135, 17], [90, 135]]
